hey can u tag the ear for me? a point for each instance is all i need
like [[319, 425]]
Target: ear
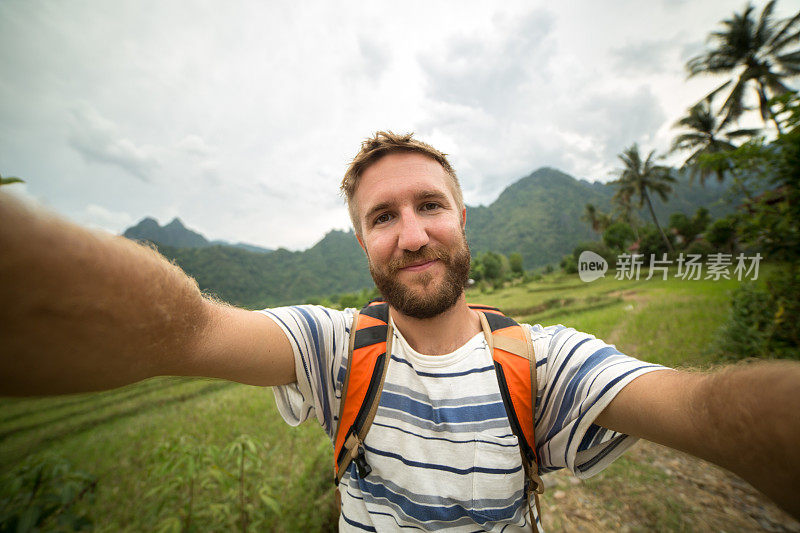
[[361, 243], [464, 218]]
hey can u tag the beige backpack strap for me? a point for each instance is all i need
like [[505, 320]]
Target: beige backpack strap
[[349, 361], [537, 486], [337, 496], [522, 349]]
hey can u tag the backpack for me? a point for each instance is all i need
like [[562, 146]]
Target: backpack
[[369, 352]]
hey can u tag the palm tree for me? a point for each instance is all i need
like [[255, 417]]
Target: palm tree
[[624, 206], [704, 137], [590, 216], [598, 220], [639, 178], [755, 52]]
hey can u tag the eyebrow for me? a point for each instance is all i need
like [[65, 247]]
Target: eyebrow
[[430, 194]]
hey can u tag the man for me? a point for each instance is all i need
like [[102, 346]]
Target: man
[[84, 311]]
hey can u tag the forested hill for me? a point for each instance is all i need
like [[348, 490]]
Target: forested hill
[[538, 216], [176, 235], [335, 264]]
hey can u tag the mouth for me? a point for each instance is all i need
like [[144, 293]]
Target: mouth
[[419, 267]]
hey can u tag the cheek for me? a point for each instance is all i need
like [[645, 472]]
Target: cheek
[[379, 247], [447, 231]]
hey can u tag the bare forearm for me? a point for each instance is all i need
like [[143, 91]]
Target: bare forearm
[[83, 310], [743, 418], [751, 413]]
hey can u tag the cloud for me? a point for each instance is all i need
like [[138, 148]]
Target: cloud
[[98, 140], [248, 116], [489, 71], [646, 57], [194, 145], [374, 58], [692, 49], [99, 216], [605, 123]]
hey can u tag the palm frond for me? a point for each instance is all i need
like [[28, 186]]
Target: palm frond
[[713, 94], [775, 85], [748, 47], [745, 132], [763, 103], [711, 63], [733, 107], [779, 39], [686, 141], [765, 29], [786, 41], [790, 61]]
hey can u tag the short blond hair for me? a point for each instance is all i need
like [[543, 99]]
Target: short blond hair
[[385, 143]]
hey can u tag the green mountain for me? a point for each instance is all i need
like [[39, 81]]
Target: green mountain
[[176, 235], [538, 216], [243, 246], [335, 264], [173, 234]]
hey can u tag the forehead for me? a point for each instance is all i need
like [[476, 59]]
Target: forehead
[[396, 176]]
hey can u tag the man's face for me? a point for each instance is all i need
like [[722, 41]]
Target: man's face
[[413, 233]]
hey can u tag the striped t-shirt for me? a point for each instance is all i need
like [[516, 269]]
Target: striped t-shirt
[[442, 452]]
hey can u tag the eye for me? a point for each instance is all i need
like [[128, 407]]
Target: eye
[[430, 206], [382, 218]]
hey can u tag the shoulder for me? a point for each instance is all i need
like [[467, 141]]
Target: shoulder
[[309, 314], [548, 340], [566, 352], [311, 323]]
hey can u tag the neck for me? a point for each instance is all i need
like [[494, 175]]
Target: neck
[[441, 334]]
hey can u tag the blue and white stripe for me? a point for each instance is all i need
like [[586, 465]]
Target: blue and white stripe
[[441, 448]]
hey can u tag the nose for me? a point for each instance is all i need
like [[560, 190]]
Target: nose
[[413, 234]]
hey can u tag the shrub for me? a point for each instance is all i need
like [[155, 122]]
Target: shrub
[[350, 300], [515, 262], [569, 264], [618, 236], [492, 266], [700, 247], [763, 319], [744, 334], [42, 493], [651, 242], [476, 270], [597, 247], [722, 234]]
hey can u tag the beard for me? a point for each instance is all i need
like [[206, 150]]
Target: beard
[[428, 297]]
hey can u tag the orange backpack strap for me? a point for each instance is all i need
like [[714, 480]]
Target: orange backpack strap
[[515, 366], [368, 360]]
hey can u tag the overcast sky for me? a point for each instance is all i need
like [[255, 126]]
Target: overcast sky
[[241, 117]]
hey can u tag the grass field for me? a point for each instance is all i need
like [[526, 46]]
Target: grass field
[[178, 454], [670, 322]]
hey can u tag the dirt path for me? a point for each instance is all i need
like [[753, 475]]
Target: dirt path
[[682, 494], [634, 300]]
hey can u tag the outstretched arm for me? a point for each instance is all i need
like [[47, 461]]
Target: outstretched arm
[[84, 310], [743, 418]]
